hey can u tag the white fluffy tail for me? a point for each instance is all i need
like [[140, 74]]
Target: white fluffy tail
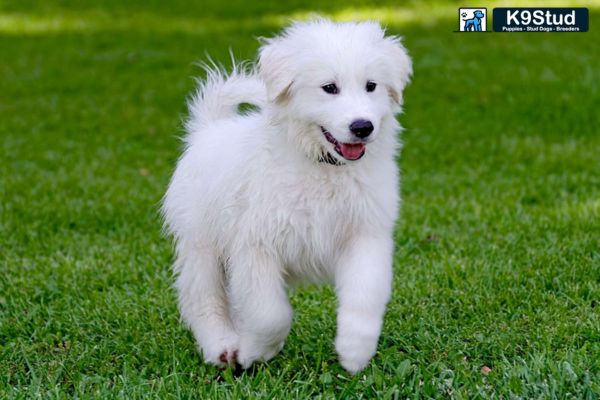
[[219, 96]]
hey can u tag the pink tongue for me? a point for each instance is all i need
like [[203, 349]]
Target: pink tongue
[[352, 151]]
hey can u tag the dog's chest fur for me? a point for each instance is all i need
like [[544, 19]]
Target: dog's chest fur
[[307, 220]]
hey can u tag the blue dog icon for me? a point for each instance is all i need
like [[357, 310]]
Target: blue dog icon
[[474, 24]]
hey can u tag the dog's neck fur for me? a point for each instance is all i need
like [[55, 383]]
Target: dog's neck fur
[[327, 157]]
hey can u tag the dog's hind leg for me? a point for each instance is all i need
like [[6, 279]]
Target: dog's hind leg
[[203, 303]]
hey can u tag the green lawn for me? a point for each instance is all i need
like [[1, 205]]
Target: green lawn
[[498, 248]]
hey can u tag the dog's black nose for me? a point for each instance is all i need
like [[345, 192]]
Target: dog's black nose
[[361, 128]]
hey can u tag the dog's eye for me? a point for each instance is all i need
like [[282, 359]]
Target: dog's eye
[[371, 86], [330, 88]]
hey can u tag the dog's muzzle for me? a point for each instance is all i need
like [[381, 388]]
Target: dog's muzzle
[[349, 151]]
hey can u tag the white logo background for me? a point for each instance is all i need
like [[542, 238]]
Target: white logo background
[[469, 15]]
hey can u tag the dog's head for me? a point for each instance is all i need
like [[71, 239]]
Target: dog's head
[[341, 82], [478, 14]]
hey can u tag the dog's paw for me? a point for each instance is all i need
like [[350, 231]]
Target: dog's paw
[[223, 350], [252, 351], [355, 351]]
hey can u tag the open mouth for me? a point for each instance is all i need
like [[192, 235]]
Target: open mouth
[[350, 151]]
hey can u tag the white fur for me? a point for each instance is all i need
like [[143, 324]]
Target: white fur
[[252, 209]]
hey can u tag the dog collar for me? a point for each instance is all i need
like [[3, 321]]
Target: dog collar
[[329, 159]]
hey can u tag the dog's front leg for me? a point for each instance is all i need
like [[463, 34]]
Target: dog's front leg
[[363, 283], [261, 311]]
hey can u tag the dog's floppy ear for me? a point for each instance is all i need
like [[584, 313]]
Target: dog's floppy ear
[[399, 67], [276, 69]]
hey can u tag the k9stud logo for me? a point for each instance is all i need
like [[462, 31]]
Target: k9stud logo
[[541, 19], [472, 19], [524, 19]]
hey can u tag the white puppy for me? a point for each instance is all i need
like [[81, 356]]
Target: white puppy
[[304, 189]]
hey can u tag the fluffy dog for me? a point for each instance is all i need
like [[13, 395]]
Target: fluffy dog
[[303, 189]]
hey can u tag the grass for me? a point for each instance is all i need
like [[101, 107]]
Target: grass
[[497, 290]]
